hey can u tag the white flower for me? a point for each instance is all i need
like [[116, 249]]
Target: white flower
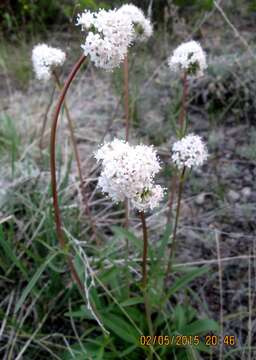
[[190, 152], [86, 20], [104, 54], [128, 173], [189, 57], [45, 59], [142, 25], [110, 35], [149, 198]]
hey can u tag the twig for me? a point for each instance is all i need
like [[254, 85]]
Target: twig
[[236, 32]]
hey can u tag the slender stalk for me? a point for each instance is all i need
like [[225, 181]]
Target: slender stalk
[[174, 234], [145, 249], [127, 247], [71, 128], [173, 186], [183, 111], [57, 214], [181, 121], [77, 157], [127, 131], [126, 98], [45, 118], [217, 239], [144, 272], [127, 122]]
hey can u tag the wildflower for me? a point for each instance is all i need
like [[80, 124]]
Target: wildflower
[[128, 173], [86, 20], [189, 57], [110, 33], [45, 59], [149, 198], [142, 26], [189, 152]]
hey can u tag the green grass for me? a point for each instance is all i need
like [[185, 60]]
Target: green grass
[[43, 309], [15, 62], [44, 316]]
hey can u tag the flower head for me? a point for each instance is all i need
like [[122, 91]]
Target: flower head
[[142, 26], [128, 173], [110, 33], [149, 198], [45, 59], [189, 152], [189, 57]]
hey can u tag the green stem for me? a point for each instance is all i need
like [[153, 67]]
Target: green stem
[[181, 122], [144, 272], [127, 130], [174, 234], [183, 111], [145, 249], [126, 98]]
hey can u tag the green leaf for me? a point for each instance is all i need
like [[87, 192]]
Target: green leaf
[[82, 313], [33, 281], [127, 351], [126, 234], [180, 317], [192, 353], [9, 253], [186, 279], [121, 328], [108, 275], [200, 327], [133, 301], [164, 241], [206, 5], [137, 242]]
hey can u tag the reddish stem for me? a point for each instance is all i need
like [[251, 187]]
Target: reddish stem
[[181, 121], [145, 249], [184, 102], [78, 161], [126, 98], [57, 214], [127, 131], [45, 118], [144, 272], [174, 234]]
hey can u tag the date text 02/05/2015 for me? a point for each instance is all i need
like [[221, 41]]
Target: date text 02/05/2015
[[184, 340]]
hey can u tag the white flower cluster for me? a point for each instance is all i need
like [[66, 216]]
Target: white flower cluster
[[142, 26], [110, 33], [45, 59], [189, 152], [128, 173], [189, 57]]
